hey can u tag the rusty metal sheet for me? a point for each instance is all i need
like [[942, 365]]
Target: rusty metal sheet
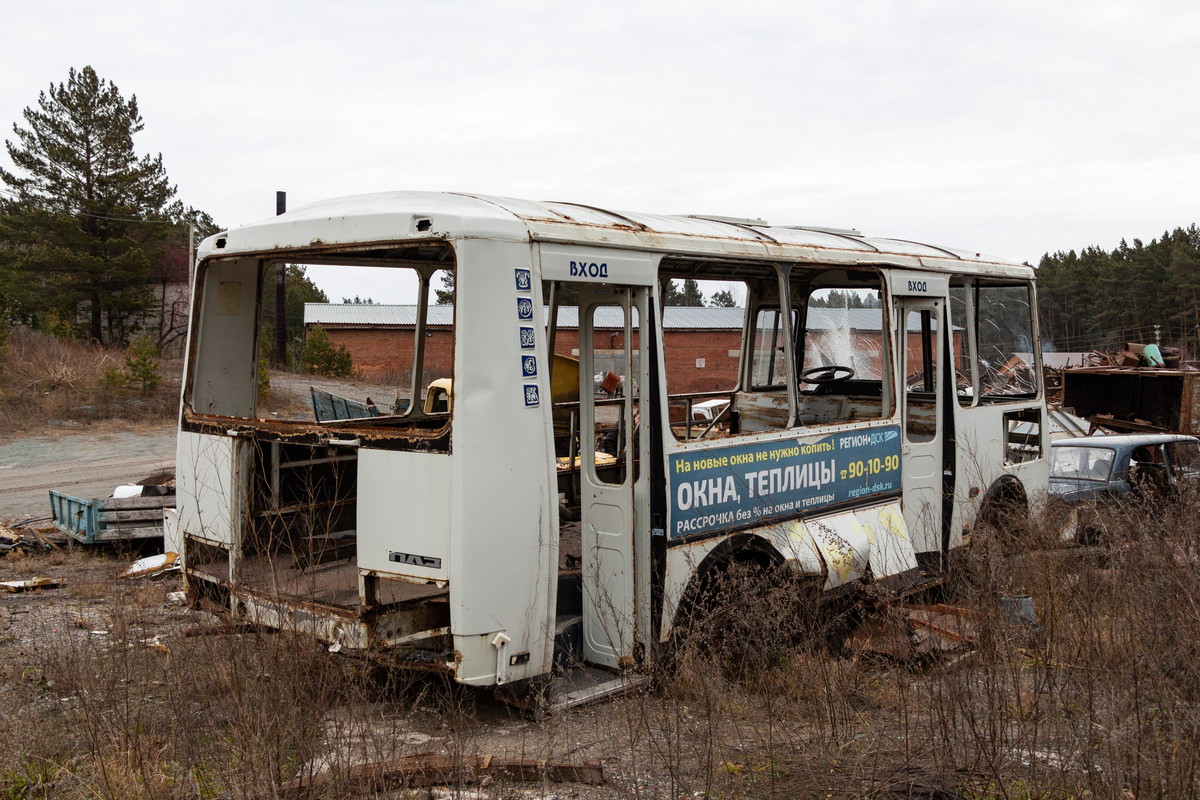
[[430, 769], [913, 632], [29, 584]]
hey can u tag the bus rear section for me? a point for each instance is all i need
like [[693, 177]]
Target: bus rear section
[[289, 522], [381, 533]]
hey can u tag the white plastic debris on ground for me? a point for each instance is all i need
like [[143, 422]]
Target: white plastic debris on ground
[[152, 565]]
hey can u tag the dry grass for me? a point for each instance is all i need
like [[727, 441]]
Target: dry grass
[[45, 379], [1103, 701]]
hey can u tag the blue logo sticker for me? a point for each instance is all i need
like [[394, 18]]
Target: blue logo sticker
[[523, 280], [524, 308], [531, 395], [529, 366], [527, 338]]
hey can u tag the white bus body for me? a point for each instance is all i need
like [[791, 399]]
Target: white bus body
[[439, 537]]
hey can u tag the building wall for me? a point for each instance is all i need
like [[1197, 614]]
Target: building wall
[[696, 360], [385, 355]]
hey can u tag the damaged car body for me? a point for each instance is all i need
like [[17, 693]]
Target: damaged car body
[[1091, 476], [526, 518]]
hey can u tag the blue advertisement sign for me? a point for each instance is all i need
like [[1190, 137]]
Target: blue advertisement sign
[[524, 308], [528, 339], [531, 395], [529, 366], [523, 281], [741, 485]]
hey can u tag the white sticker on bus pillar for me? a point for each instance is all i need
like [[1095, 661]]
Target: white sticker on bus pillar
[[531, 395], [523, 281], [524, 308], [527, 338], [528, 366]]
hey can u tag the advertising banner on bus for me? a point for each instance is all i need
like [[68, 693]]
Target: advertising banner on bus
[[726, 487]]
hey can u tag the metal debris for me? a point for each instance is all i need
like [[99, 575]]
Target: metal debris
[[153, 565], [429, 769], [1141, 388], [914, 632], [29, 584]]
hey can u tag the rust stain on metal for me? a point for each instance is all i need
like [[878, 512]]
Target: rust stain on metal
[[312, 433]]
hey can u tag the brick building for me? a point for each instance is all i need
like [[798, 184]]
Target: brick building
[[701, 345]]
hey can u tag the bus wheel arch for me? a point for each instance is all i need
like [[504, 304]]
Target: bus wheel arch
[[744, 549], [738, 608], [1004, 503], [1004, 515]]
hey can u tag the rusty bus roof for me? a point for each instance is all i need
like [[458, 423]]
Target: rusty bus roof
[[400, 216]]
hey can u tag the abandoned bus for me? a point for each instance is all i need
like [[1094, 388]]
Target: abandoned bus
[[563, 466]]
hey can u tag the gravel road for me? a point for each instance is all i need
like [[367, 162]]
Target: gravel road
[[91, 463], [86, 465]]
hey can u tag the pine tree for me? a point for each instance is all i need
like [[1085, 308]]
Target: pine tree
[[141, 365], [87, 215], [683, 293], [298, 290], [1098, 299], [445, 295], [319, 355], [723, 299]]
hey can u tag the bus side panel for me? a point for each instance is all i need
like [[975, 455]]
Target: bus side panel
[[983, 458], [211, 476], [404, 514], [503, 541]]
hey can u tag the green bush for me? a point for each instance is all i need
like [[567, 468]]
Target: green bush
[[321, 356]]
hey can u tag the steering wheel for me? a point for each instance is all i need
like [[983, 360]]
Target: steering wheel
[[827, 374]]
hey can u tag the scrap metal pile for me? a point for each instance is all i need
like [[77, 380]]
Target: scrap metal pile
[[1139, 388]]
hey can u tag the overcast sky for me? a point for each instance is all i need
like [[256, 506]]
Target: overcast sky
[[1011, 128]]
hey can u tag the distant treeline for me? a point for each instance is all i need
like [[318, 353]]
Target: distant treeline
[[1093, 299]]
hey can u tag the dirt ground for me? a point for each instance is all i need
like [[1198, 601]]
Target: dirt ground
[[113, 688], [93, 613], [94, 617]]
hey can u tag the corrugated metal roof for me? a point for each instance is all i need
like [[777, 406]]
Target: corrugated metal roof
[[373, 314], [674, 317], [1056, 360]]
